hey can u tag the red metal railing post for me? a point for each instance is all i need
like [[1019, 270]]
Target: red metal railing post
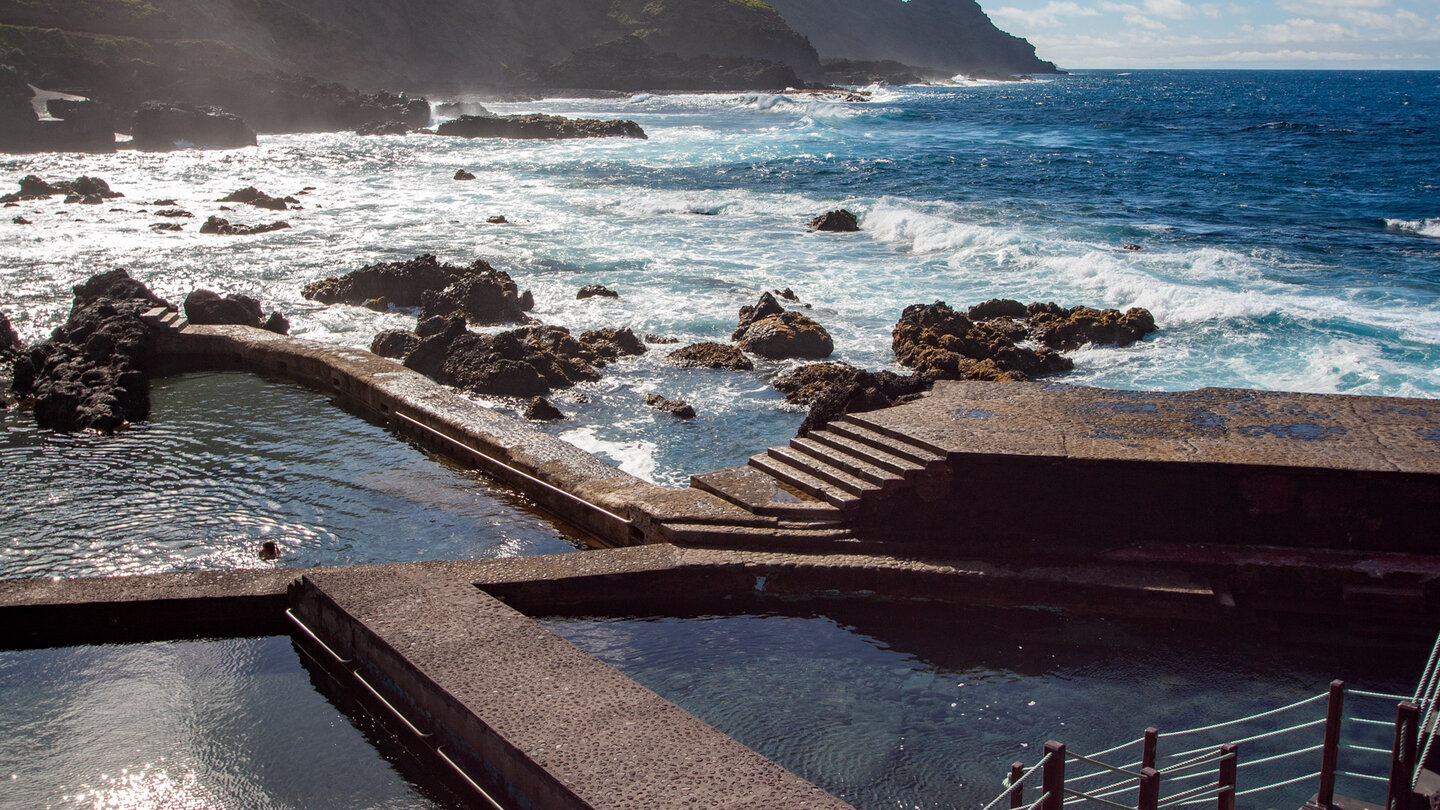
[[1402, 756], [1152, 742], [1227, 778], [1149, 789], [1330, 754], [1017, 788], [1053, 777]]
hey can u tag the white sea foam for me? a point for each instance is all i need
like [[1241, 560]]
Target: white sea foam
[[635, 457], [1422, 227]]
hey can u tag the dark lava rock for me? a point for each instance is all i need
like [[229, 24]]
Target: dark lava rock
[[480, 292], [19, 220], [861, 73], [81, 188], [711, 355], [934, 338], [865, 391], [594, 290], [254, 196], [805, 384], [769, 330], [538, 126], [1065, 329], [216, 225], [461, 174], [678, 407], [451, 109], [383, 128], [839, 221], [10, 345], [93, 372], [395, 343], [173, 212], [283, 102], [660, 340], [998, 308], [83, 125], [525, 362], [542, 410], [788, 294], [165, 125], [1131, 247], [167, 226], [205, 308], [606, 345], [499, 219]]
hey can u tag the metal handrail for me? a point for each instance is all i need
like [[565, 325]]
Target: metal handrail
[[1294, 705], [1097, 763]]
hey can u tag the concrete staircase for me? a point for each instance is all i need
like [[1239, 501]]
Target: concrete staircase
[[810, 493], [165, 318]]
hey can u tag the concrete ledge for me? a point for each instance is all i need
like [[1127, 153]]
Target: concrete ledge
[[541, 721]]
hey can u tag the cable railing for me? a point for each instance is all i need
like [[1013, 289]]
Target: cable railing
[[1209, 772]]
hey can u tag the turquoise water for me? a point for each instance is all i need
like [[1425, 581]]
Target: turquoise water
[[198, 725], [914, 708], [1289, 222], [229, 461]]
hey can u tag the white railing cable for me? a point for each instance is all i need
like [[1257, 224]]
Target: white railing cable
[[1262, 736], [1009, 786], [1274, 785], [1297, 704]]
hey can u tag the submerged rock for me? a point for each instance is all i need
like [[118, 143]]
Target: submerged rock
[[94, 371], [481, 293], [383, 128], [841, 221], [461, 174], [34, 188], [711, 355], [594, 291], [254, 196], [205, 307], [542, 409], [217, 225], [538, 126], [166, 125], [677, 407]]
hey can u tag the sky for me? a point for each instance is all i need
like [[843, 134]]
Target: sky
[[1313, 34]]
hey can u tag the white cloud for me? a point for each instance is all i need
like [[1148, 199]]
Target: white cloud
[[1049, 15]]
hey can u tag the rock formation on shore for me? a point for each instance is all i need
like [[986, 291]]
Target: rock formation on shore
[[481, 293], [531, 127], [164, 125], [205, 307], [769, 330], [709, 354], [94, 371]]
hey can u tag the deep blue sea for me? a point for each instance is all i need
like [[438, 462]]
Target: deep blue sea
[[1289, 226]]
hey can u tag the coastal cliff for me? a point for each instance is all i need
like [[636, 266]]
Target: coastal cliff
[[950, 35]]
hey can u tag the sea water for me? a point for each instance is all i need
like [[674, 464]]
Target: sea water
[[1289, 227]]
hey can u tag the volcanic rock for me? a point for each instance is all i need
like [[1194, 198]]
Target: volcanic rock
[[167, 226], [998, 308], [679, 407], [19, 220], [606, 345], [461, 174], [10, 345], [216, 225], [525, 362], [542, 409], [538, 126], [711, 355], [629, 64], [936, 339], [839, 221], [93, 372], [165, 125], [383, 128], [594, 290], [395, 343], [498, 219], [480, 292], [787, 335], [205, 307], [254, 196], [1065, 329]]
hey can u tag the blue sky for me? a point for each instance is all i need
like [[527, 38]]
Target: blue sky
[[1360, 34]]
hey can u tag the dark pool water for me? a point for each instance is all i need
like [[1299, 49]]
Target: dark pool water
[[193, 725], [228, 461], [905, 708]]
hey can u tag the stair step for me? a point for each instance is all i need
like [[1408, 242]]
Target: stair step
[[153, 315], [883, 441], [754, 491], [825, 471], [860, 468], [868, 453], [704, 534], [803, 480]]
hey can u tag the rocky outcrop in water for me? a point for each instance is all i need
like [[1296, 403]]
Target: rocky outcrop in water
[[936, 339], [594, 291], [206, 307], [678, 408], [165, 125], [711, 355], [383, 128], [835, 389], [609, 345], [93, 372], [524, 362], [773, 332], [254, 196], [223, 227], [461, 174], [1064, 329], [83, 188], [537, 126], [841, 221], [10, 345], [541, 409], [481, 293]]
